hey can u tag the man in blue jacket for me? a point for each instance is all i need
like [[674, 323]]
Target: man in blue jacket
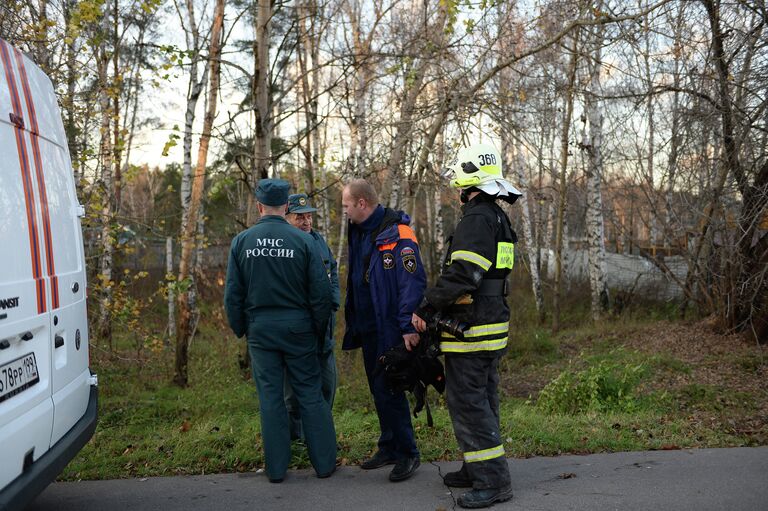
[[300, 216], [279, 296], [385, 281]]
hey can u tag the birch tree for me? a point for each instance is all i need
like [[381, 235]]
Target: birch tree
[[592, 144], [262, 102], [186, 328], [563, 177]]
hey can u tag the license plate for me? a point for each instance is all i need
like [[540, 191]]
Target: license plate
[[17, 376]]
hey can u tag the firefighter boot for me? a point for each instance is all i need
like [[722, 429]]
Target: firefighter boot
[[458, 479], [485, 498]]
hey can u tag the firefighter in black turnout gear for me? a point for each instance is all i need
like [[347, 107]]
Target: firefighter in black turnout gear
[[472, 290]]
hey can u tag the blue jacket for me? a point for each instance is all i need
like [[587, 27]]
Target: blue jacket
[[396, 282], [333, 274]]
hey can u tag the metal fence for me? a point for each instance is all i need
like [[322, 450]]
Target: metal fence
[[629, 273]]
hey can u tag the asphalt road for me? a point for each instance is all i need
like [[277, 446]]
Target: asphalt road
[[706, 479]]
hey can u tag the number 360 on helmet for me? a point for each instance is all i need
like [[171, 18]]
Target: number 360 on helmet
[[474, 165]]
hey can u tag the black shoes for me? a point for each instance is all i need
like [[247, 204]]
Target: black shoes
[[327, 474], [404, 468], [378, 460], [458, 479], [485, 498]]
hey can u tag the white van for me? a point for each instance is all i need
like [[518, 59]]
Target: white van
[[47, 393]]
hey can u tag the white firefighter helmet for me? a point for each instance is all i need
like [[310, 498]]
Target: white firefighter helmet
[[474, 165], [479, 166]]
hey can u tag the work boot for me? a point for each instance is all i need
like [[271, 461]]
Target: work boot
[[458, 479], [378, 460], [404, 469], [485, 498]]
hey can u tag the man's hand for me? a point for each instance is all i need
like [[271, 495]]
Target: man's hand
[[411, 341], [419, 324]]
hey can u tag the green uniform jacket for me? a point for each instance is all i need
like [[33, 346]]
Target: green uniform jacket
[[332, 268], [276, 269]]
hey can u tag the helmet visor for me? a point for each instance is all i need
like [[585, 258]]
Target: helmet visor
[[448, 173]]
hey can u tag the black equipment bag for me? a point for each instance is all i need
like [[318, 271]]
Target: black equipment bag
[[413, 371]]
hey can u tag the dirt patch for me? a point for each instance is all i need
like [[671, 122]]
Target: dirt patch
[[717, 380]]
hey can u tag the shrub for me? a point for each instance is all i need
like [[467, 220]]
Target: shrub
[[605, 386]]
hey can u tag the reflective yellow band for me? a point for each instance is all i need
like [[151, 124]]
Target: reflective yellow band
[[505, 255], [468, 347], [472, 257], [482, 330], [486, 454], [491, 169]]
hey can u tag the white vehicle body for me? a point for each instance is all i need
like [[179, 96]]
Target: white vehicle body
[[47, 393]]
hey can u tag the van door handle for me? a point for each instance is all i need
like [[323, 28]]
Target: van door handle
[[58, 341], [27, 336], [4, 344]]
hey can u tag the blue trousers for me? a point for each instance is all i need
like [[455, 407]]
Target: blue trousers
[[286, 347], [394, 413]]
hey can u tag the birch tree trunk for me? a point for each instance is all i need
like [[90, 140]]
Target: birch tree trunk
[[185, 329], [670, 233], [362, 66], [563, 190], [117, 81], [105, 157], [263, 104], [70, 126], [516, 160], [592, 144], [414, 79], [194, 89], [651, 119], [171, 293]]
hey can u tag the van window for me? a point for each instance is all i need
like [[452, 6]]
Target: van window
[[61, 196]]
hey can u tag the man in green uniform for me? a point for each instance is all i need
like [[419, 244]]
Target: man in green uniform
[[279, 295], [300, 216]]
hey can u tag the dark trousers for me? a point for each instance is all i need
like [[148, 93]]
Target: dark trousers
[[327, 361], [394, 413], [471, 393], [281, 348]]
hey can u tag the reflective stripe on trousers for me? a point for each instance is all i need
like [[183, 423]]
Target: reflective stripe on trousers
[[485, 454]]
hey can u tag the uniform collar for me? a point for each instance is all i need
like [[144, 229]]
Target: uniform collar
[[272, 219], [373, 221], [476, 200]]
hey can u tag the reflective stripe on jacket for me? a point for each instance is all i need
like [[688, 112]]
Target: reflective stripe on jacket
[[482, 247], [396, 281]]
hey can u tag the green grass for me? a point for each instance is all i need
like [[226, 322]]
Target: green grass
[[149, 427]]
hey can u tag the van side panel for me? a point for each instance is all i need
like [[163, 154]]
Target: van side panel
[[26, 418], [30, 203], [30, 430], [69, 324], [39, 177]]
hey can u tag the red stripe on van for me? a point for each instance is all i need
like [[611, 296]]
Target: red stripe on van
[[26, 180], [34, 129]]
